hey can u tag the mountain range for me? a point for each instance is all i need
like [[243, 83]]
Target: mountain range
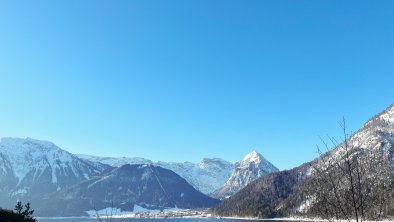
[[124, 188], [206, 176], [42, 173], [212, 176], [283, 193], [31, 168], [51, 178]]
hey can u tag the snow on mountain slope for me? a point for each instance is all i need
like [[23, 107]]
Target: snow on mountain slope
[[378, 128], [115, 161], [284, 192], [145, 185], [251, 167], [376, 134], [37, 167], [5, 166], [206, 176]]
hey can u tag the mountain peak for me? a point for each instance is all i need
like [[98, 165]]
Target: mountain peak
[[251, 167], [13, 142], [381, 122], [388, 114], [151, 187], [38, 167], [253, 156], [288, 198]]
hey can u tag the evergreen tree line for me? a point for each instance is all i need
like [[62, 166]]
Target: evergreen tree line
[[21, 213]]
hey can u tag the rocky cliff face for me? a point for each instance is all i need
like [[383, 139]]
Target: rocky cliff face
[[250, 168], [31, 168]]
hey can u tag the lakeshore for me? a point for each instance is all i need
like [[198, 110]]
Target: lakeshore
[[179, 215]]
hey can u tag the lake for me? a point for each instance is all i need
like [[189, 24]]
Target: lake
[[148, 220]]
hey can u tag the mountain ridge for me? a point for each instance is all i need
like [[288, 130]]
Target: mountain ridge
[[250, 168], [146, 185], [206, 176], [376, 134], [31, 168]]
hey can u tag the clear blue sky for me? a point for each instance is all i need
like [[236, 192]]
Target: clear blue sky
[[183, 80]]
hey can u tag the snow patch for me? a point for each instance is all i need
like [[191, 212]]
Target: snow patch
[[117, 211]]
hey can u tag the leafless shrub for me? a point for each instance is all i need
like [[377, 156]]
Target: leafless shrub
[[349, 182], [109, 216]]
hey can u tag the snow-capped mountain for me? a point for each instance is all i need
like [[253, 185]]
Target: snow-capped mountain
[[378, 132], [30, 168], [146, 185], [43, 174], [212, 176], [251, 167], [206, 176], [115, 161], [283, 193]]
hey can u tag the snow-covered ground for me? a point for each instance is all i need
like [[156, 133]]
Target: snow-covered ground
[[118, 212]]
